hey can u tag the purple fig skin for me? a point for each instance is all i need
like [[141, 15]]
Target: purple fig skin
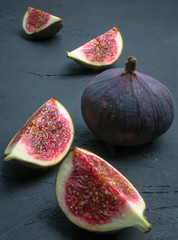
[[46, 33], [127, 108]]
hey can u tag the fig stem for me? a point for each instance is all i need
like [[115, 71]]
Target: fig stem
[[143, 225], [130, 65]]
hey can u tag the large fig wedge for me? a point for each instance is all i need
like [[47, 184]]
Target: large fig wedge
[[100, 52], [39, 24], [97, 197], [45, 138]]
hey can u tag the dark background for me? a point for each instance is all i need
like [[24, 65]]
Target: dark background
[[31, 72]]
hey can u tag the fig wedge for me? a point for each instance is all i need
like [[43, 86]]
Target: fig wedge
[[100, 52], [45, 138]]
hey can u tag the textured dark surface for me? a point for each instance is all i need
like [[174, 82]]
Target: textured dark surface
[[31, 72]]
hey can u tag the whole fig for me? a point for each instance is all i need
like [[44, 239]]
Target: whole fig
[[127, 108]]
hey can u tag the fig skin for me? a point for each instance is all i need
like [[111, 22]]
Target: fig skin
[[127, 108], [47, 32]]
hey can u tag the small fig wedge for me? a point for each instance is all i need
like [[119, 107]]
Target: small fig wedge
[[95, 196], [39, 24], [45, 138], [100, 52]]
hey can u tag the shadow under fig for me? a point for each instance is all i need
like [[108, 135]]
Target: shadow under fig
[[111, 153], [86, 139], [115, 151], [73, 68], [14, 175], [44, 41]]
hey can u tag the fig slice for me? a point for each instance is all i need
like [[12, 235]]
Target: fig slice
[[39, 24], [95, 196], [45, 138], [100, 52]]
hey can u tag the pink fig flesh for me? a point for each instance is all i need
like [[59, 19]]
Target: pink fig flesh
[[36, 19], [103, 48]]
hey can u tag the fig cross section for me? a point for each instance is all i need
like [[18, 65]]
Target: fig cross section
[[95, 196], [100, 52], [45, 138]]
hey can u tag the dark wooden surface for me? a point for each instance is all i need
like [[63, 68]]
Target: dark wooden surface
[[31, 72]]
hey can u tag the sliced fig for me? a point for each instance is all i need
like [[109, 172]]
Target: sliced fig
[[39, 24], [100, 52], [45, 138], [95, 196]]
